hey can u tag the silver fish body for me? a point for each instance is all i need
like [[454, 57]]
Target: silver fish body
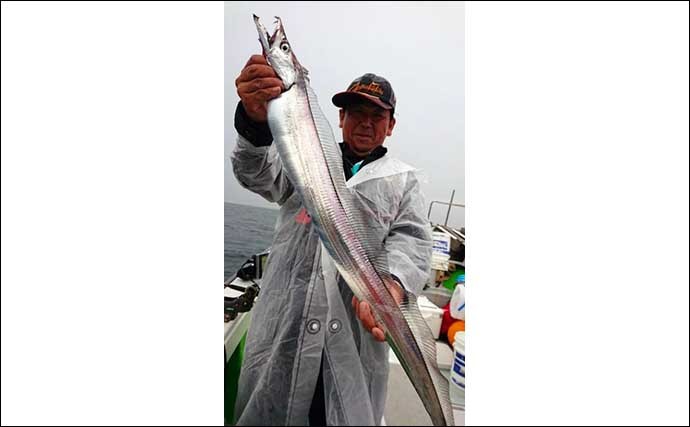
[[312, 160]]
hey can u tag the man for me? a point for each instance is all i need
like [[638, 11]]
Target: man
[[314, 353]]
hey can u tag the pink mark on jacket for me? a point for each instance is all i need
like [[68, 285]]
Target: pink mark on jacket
[[303, 217]]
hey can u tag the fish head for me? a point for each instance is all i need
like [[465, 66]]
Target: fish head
[[279, 54]]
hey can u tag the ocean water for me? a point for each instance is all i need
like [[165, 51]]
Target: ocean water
[[248, 230]]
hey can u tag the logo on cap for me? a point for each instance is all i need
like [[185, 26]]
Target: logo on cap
[[375, 88], [372, 88]]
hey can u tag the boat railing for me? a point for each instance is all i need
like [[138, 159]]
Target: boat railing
[[450, 205]]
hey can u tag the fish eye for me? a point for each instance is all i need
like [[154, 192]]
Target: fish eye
[[285, 47]]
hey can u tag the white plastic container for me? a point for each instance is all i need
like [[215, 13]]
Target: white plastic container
[[441, 243], [457, 302], [440, 254], [431, 314], [457, 372]]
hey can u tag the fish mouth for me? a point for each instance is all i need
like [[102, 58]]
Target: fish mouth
[[264, 37], [284, 63], [267, 39]]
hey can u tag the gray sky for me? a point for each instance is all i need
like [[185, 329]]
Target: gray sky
[[417, 46]]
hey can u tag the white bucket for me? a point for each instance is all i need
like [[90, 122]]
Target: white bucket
[[457, 371]]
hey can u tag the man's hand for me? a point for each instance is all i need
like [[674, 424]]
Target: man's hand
[[256, 85], [366, 316]]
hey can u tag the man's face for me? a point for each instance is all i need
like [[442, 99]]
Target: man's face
[[365, 126]]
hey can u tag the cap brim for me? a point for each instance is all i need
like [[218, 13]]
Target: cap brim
[[343, 99]]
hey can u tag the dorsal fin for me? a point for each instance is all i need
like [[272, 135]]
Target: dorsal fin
[[334, 160], [427, 344], [373, 249]]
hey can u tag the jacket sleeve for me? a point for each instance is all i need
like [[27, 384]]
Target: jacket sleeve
[[409, 241], [255, 161]]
